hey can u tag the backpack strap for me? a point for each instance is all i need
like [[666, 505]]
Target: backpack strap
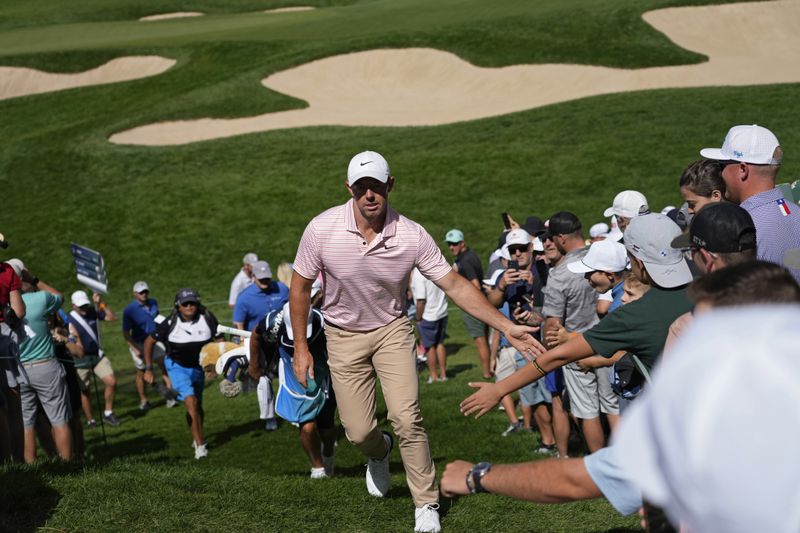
[[642, 368], [76, 316]]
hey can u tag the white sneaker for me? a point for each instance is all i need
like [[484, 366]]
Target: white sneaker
[[379, 481], [318, 473], [200, 451], [171, 403], [426, 518]]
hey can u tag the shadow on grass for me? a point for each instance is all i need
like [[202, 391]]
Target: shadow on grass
[[26, 500], [125, 447], [454, 370], [453, 347]]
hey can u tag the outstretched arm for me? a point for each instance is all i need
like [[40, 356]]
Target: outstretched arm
[[489, 394], [547, 481], [471, 300]]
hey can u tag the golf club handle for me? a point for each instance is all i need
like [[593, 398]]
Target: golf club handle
[[233, 331]]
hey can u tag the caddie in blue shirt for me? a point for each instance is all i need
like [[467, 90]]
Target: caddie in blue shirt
[[263, 296], [138, 322]]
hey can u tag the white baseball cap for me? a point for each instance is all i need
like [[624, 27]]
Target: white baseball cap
[[649, 239], [140, 286], [368, 165], [249, 258], [518, 237], [628, 204], [79, 299], [16, 265], [605, 256], [598, 230], [748, 144], [682, 440]]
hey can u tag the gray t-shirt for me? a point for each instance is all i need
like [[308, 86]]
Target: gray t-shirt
[[569, 296]]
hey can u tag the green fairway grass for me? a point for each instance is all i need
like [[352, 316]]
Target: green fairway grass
[[179, 216]]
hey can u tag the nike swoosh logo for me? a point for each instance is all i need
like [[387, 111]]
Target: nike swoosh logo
[[366, 163]]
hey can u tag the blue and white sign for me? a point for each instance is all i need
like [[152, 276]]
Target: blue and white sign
[[90, 267]]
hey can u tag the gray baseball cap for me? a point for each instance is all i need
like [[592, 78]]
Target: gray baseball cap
[[261, 270], [649, 239]]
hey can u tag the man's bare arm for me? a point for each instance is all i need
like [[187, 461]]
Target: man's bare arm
[[419, 309], [548, 481], [147, 355], [299, 305]]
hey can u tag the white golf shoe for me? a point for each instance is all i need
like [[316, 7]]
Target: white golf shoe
[[426, 519]]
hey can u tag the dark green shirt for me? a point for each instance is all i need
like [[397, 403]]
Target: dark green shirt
[[641, 326]]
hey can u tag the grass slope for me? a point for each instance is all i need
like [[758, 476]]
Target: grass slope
[[185, 215]]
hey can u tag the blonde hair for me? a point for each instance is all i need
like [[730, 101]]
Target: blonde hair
[[285, 274]]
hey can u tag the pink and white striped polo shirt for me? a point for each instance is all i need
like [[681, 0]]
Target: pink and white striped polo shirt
[[365, 283]]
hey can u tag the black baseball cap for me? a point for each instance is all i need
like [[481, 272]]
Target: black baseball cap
[[561, 223], [533, 225], [187, 295], [720, 227]]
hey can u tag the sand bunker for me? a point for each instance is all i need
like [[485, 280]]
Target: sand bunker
[[176, 15], [20, 81], [747, 44], [290, 9]]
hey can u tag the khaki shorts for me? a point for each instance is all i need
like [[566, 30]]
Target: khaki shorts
[[102, 369], [158, 355], [505, 363]]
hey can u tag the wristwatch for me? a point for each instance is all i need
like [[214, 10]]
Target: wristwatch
[[148, 368], [475, 475]]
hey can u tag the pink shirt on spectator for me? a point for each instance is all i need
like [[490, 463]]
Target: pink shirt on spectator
[[365, 283]]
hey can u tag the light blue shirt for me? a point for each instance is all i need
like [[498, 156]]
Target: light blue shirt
[[619, 489], [777, 222]]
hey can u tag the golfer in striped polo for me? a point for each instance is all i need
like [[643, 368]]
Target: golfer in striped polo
[[365, 251]]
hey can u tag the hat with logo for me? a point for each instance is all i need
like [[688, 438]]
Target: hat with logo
[[187, 295], [720, 227], [649, 239], [749, 144], [368, 165], [605, 256], [261, 270], [518, 237], [454, 236], [79, 299], [628, 204], [140, 286], [249, 258]]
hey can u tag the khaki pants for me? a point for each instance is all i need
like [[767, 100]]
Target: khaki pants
[[354, 360]]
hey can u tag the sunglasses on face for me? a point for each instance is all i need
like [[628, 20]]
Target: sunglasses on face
[[144, 292], [189, 304], [517, 249]]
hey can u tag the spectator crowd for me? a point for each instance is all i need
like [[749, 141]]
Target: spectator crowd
[[607, 339]]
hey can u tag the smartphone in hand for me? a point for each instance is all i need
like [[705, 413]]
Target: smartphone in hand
[[506, 221]]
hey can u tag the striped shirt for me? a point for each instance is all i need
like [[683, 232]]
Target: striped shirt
[[365, 283], [777, 222]]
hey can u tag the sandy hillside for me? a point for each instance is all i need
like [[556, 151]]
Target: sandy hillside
[[424, 87]]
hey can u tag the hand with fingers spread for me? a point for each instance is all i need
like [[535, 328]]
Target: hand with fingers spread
[[482, 401], [557, 336]]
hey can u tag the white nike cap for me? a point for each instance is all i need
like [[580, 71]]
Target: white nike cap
[[368, 165]]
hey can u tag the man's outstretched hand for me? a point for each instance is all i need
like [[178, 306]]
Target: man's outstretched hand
[[522, 339]]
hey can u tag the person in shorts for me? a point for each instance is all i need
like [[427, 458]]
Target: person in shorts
[[190, 327], [312, 407], [430, 304], [46, 385], [84, 326], [139, 321]]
